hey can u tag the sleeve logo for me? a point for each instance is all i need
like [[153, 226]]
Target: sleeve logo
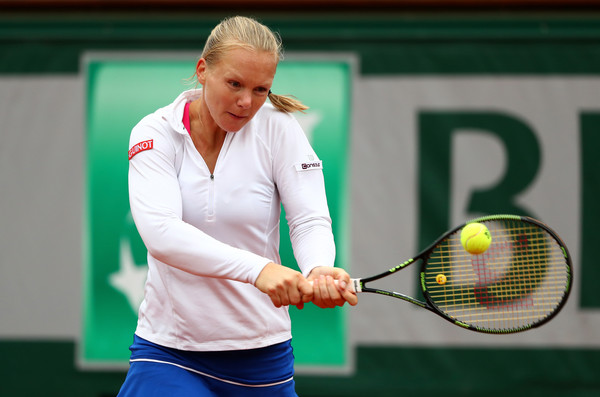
[[140, 147], [312, 165]]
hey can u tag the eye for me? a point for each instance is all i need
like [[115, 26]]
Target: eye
[[234, 84], [262, 90]]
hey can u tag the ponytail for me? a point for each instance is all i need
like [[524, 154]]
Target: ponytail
[[286, 104]]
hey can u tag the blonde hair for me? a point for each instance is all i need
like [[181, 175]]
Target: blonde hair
[[235, 32]]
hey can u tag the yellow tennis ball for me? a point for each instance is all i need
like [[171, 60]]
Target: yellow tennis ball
[[475, 238], [440, 279]]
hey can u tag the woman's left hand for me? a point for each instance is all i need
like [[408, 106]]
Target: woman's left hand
[[328, 293]]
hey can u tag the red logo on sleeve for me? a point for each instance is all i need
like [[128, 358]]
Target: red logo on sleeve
[[140, 147]]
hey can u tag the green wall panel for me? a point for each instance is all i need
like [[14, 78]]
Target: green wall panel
[[45, 368], [416, 44]]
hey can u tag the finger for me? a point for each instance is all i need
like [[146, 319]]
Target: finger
[[305, 287], [328, 291], [333, 286], [316, 289], [344, 283], [283, 295], [306, 290], [294, 295], [276, 301], [321, 292], [337, 296], [275, 295], [317, 296], [350, 297]]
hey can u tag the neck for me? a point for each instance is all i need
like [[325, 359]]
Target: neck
[[203, 128], [207, 137]]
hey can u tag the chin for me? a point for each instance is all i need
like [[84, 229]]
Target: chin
[[235, 127]]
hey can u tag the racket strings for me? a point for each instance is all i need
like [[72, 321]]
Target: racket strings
[[518, 281]]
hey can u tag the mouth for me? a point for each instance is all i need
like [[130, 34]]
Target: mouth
[[235, 116]]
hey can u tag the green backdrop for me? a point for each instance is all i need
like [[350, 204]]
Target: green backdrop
[[121, 90]]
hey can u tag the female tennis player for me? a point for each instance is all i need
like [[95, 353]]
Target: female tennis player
[[207, 177]]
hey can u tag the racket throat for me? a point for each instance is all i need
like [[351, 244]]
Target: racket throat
[[356, 285]]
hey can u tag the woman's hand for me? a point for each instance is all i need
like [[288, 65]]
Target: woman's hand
[[328, 293], [284, 286]]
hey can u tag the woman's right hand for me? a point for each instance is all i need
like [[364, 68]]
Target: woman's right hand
[[284, 286]]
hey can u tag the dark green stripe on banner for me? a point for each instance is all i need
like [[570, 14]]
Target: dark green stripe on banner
[[44, 368], [590, 210], [47, 369], [392, 44], [463, 372]]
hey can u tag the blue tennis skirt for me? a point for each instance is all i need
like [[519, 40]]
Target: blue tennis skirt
[[160, 371]]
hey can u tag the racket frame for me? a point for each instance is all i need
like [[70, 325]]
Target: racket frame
[[360, 284]]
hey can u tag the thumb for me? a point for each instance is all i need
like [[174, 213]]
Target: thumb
[[306, 289]]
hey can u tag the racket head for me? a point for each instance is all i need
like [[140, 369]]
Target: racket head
[[520, 282]]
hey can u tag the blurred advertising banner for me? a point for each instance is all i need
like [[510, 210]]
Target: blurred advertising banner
[[425, 153]]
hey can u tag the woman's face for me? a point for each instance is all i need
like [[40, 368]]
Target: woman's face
[[237, 86]]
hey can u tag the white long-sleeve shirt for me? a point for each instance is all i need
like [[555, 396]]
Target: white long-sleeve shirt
[[209, 236]]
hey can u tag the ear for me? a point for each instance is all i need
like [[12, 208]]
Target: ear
[[201, 70]]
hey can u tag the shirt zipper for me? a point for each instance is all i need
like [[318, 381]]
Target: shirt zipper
[[211, 212], [210, 215]]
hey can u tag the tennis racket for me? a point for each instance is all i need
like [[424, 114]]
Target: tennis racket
[[520, 282]]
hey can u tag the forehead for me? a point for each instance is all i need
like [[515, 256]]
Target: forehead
[[247, 63]]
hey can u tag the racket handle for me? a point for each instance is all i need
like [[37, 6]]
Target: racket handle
[[353, 286]]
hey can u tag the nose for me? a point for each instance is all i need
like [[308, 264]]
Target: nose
[[244, 99]]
